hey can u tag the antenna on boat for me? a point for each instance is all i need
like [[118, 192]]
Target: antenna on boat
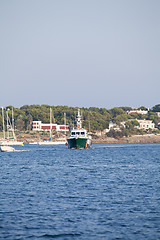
[[75, 118], [79, 122], [89, 123]]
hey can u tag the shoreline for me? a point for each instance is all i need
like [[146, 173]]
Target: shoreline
[[147, 138]]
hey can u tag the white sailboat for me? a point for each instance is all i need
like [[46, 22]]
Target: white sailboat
[[49, 141], [10, 128], [5, 147]]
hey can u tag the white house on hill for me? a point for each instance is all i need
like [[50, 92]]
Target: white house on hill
[[143, 124], [146, 124], [137, 111]]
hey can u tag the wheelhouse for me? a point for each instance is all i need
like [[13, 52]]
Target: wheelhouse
[[80, 133]]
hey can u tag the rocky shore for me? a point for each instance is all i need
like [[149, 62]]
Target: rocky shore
[[147, 138]]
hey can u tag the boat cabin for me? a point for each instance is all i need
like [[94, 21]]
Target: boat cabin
[[79, 132]]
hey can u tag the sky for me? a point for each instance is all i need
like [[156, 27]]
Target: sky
[[84, 53]]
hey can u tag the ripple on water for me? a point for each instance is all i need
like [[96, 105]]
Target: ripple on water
[[110, 191]]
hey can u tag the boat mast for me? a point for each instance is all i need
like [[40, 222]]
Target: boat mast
[[13, 124], [50, 123], [7, 125], [3, 124], [89, 123], [65, 124], [12, 119]]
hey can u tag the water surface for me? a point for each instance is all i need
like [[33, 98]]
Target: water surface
[[111, 191]]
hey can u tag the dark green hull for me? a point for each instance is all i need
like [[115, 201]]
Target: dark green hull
[[77, 143]]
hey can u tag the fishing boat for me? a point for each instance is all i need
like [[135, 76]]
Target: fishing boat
[[7, 149], [79, 138]]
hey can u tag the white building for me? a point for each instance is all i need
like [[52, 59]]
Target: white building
[[137, 111], [146, 124], [143, 124], [39, 126], [114, 127], [158, 113]]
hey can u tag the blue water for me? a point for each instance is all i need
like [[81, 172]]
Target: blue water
[[111, 191]]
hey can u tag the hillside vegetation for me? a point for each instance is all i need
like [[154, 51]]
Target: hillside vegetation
[[93, 118]]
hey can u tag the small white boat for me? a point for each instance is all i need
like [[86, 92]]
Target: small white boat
[[7, 149]]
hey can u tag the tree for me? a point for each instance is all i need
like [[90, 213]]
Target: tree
[[116, 111], [96, 118], [143, 108], [28, 122], [131, 124], [153, 116], [20, 124], [156, 108], [137, 115], [121, 118]]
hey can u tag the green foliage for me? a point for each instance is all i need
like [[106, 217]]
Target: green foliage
[[94, 118], [156, 108], [127, 131], [115, 134], [126, 108], [137, 116], [121, 118], [116, 111], [143, 108], [131, 124], [153, 116]]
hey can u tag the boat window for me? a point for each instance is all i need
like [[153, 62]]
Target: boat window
[[82, 133], [73, 133], [77, 133]]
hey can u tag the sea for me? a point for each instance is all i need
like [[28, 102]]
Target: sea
[[110, 192]]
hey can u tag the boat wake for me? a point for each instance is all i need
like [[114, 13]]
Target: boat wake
[[22, 150]]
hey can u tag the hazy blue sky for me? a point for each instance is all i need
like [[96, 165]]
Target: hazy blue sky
[[80, 52]]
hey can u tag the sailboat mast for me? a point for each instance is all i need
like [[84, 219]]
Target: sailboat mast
[[12, 119], [7, 125], [89, 123], [65, 124], [50, 122], [3, 124], [13, 124]]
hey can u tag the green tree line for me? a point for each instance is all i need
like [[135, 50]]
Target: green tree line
[[93, 118]]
